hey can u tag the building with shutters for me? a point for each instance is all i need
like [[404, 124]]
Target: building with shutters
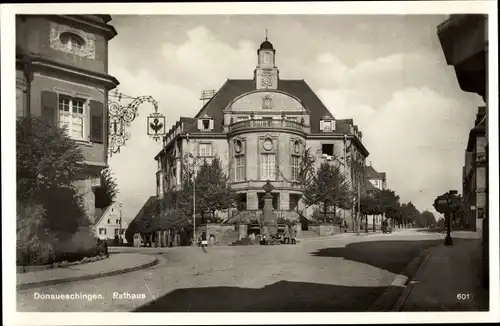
[[62, 74], [259, 128]]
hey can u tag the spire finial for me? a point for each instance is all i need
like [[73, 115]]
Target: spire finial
[[266, 34]]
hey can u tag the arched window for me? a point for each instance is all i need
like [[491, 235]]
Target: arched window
[[72, 41]]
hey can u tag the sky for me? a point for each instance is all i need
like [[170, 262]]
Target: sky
[[388, 73]]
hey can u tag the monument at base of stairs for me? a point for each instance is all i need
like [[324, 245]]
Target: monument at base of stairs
[[269, 224]]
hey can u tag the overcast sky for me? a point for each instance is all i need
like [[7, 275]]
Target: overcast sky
[[386, 72]]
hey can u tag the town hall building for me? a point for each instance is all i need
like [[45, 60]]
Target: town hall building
[[259, 128]]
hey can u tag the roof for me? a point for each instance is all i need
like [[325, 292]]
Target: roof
[[371, 173], [233, 88], [104, 213], [266, 45]]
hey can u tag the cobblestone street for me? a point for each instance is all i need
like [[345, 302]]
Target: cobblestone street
[[331, 274]]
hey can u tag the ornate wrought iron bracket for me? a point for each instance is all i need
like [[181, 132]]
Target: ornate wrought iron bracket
[[121, 116]]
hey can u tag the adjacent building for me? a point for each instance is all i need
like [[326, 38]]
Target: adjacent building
[[110, 223], [259, 128], [374, 178], [464, 39], [62, 74], [474, 174]]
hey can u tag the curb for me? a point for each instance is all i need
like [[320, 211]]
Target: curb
[[27, 286], [402, 299], [401, 287]]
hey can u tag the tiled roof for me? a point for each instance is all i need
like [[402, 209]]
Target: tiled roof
[[233, 88], [371, 173]]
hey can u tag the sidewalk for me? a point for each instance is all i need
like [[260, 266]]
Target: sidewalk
[[113, 265], [449, 279]]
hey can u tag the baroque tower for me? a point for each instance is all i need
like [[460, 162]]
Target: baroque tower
[[266, 74]]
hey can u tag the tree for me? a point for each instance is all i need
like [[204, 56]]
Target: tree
[[369, 206], [105, 195], [46, 157], [388, 203], [428, 218], [213, 191], [328, 188], [48, 164]]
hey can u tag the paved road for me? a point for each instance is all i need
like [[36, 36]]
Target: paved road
[[331, 274]]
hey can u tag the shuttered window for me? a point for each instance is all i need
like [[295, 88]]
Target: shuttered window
[[72, 116], [97, 122]]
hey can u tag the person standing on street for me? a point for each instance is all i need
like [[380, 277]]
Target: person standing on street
[[204, 241]]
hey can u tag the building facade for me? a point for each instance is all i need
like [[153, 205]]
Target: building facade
[[111, 223], [376, 179], [474, 174], [62, 74], [259, 128], [464, 40]]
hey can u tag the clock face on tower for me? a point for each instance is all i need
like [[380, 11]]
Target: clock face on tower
[[267, 81]]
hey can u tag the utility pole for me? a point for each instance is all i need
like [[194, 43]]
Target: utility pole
[[120, 230], [345, 177], [194, 188]]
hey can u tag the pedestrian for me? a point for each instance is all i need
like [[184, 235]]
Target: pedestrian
[[286, 235], [293, 234], [204, 242]]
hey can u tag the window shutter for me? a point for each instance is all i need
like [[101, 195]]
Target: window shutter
[[211, 124], [97, 122], [333, 125], [49, 106], [200, 124], [321, 125]]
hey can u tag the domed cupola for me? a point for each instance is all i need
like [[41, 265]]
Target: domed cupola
[[266, 73], [266, 45]]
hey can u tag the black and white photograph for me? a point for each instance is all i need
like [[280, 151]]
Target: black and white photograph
[[206, 158]]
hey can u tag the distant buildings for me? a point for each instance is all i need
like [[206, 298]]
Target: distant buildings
[[374, 178], [62, 74], [259, 128], [110, 223], [474, 173]]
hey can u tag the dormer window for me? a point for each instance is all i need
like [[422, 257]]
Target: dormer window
[[327, 124], [206, 123]]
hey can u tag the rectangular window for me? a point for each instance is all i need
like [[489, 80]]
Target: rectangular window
[[295, 168], [72, 115], [327, 126], [327, 149], [117, 231], [240, 168], [206, 124], [117, 221], [268, 166], [205, 150], [102, 231], [109, 221]]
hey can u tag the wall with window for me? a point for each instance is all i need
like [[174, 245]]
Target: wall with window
[[80, 107], [64, 42], [109, 224]]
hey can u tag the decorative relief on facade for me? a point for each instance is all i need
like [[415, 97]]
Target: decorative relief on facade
[[71, 40], [267, 100], [267, 144], [267, 103]]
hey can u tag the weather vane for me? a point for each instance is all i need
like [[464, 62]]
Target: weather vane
[[121, 116]]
